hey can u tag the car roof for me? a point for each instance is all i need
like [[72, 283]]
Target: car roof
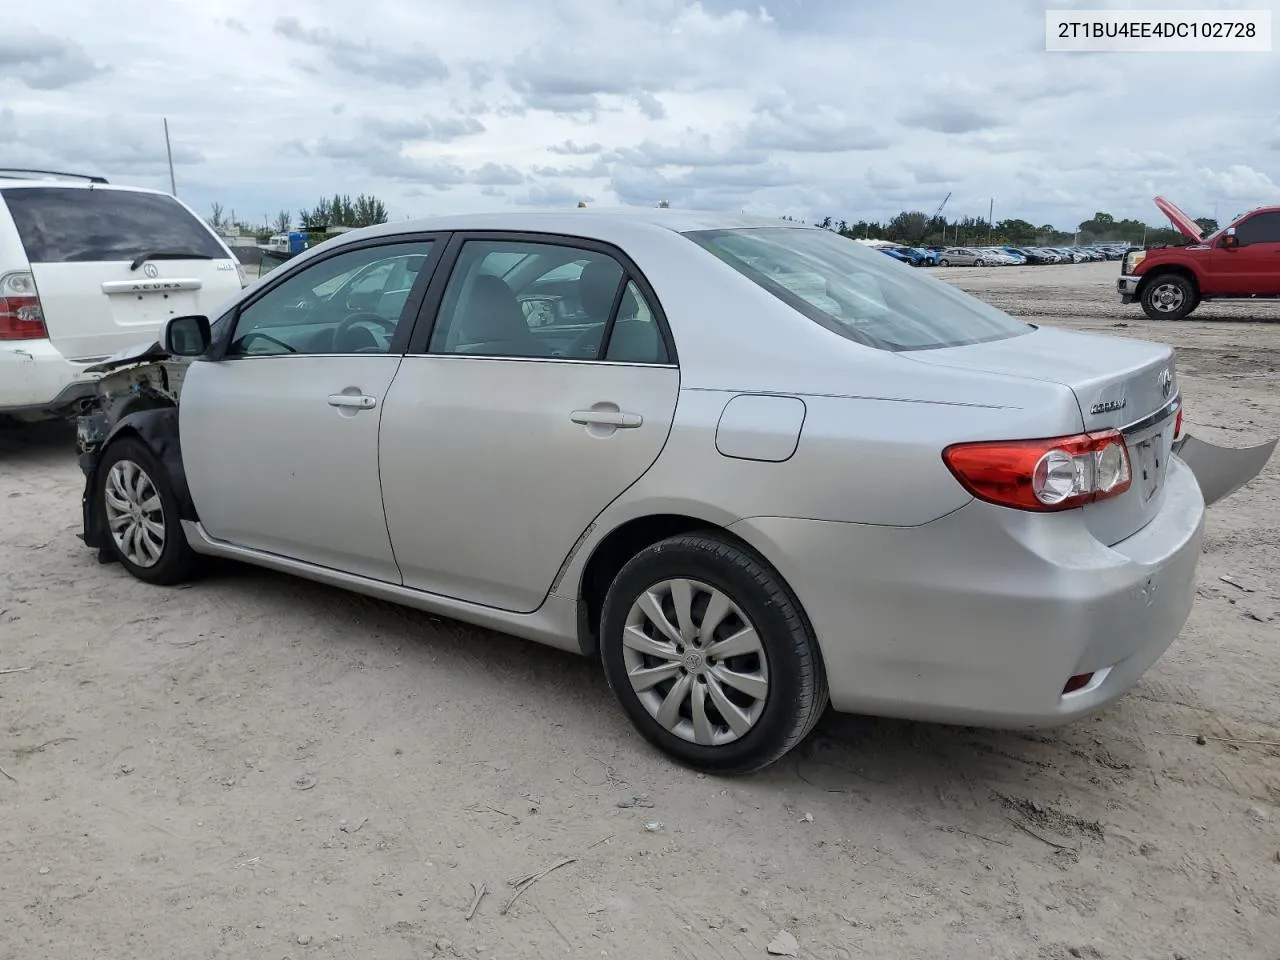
[[602, 223], [26, 183]]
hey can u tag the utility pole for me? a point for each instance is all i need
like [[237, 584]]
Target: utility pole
[[173, 186], [991, 223]]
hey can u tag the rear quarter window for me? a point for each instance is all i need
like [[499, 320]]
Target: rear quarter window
[[857, 292], [79, 225]]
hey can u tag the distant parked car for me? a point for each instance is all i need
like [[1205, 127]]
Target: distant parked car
[[963, 257], [1036, 257]]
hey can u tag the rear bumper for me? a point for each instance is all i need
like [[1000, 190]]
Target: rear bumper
[[1127, 287], [982, 616], [36, 380]]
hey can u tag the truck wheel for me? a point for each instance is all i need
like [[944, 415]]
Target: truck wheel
[[1168, 296]]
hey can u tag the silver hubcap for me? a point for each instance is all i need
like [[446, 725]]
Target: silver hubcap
[[1167, 297], [696, 662], [135, 514]]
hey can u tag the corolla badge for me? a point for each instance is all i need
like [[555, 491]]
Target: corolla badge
[[1166, 382], [151, 270]]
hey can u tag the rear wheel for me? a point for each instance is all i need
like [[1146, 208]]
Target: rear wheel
[[140, 511], [1168, 296], [979, 263], [710, 655]]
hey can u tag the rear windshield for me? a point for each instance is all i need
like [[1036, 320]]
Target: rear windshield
[[856, 291], [76, 225]]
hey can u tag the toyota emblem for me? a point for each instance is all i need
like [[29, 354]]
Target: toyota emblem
[[1166, 383], [151, 270]]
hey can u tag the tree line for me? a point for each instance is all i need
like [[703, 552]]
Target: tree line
[[341, 210], [917, 228]]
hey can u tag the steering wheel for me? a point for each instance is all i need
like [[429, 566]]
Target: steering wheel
[[349, 323]]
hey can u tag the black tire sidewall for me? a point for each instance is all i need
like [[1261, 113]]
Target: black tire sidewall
[[1189, 299], [176, 558], [784, 633]]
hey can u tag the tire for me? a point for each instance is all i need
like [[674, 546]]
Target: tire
[[769, 719], [129, 476], [979, 263], [1168, 296], [944, 262]]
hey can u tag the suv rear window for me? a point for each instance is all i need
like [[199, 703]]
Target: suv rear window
[[857, 292], [78, 225]]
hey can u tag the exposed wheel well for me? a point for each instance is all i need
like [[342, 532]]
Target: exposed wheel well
[[1184, 272], [615, 550]]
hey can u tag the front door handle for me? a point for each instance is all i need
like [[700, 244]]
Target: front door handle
[[357, 400], [607, 418]]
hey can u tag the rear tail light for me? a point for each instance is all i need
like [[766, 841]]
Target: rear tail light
[[20, 315], [1177, 425], [1078, 682], [1043, 475]]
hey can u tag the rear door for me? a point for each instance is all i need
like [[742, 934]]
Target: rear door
[[111, 265], [504, 435]]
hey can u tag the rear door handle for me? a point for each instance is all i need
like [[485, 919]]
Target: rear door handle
[[357, 400], [607, 418]]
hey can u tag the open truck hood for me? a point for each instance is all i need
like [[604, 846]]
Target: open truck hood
[[1186, 226]]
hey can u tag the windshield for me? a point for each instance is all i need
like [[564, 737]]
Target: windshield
[[856, 291]]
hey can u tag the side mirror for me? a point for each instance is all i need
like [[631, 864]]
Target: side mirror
[[187, 336], [1230, 240]]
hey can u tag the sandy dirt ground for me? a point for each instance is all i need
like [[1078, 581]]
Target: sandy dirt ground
[[259, 767]]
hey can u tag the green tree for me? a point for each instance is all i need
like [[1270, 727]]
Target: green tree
[[283, 222], [217, 218], [1207, 225]]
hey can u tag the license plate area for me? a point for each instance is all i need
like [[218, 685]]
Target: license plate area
[[1149, 463]]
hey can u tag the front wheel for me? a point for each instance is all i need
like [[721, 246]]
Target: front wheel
[[1169, 296], [140, 511], [944, 262], [709, 654]]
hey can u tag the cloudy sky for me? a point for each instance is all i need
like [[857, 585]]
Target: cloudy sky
[[853, 108]]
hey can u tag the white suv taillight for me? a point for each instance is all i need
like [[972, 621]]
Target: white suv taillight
[[1042, 475], [20, 315]]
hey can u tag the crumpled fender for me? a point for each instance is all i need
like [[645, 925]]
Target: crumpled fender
[[158, 429], [1221, 471]]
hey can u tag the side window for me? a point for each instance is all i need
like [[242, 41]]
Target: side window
[[1260, 228], [526, 299], [350, 303], [636, 337]]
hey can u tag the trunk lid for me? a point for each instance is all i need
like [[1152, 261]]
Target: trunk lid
[[1122, 384], [112, 264], [1184, 224]]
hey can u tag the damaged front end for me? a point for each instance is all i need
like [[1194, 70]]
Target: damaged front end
[[137, 394]]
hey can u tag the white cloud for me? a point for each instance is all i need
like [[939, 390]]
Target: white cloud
[[806, 108]]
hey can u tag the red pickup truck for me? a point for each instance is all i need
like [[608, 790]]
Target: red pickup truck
[[1239, 262]]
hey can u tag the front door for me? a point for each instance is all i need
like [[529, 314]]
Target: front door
[[547, 387], [280, 435]]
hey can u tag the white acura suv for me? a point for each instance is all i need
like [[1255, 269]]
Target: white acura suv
[[87, 269]]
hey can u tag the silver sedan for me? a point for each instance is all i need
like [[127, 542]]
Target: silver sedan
[[752, 466]]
